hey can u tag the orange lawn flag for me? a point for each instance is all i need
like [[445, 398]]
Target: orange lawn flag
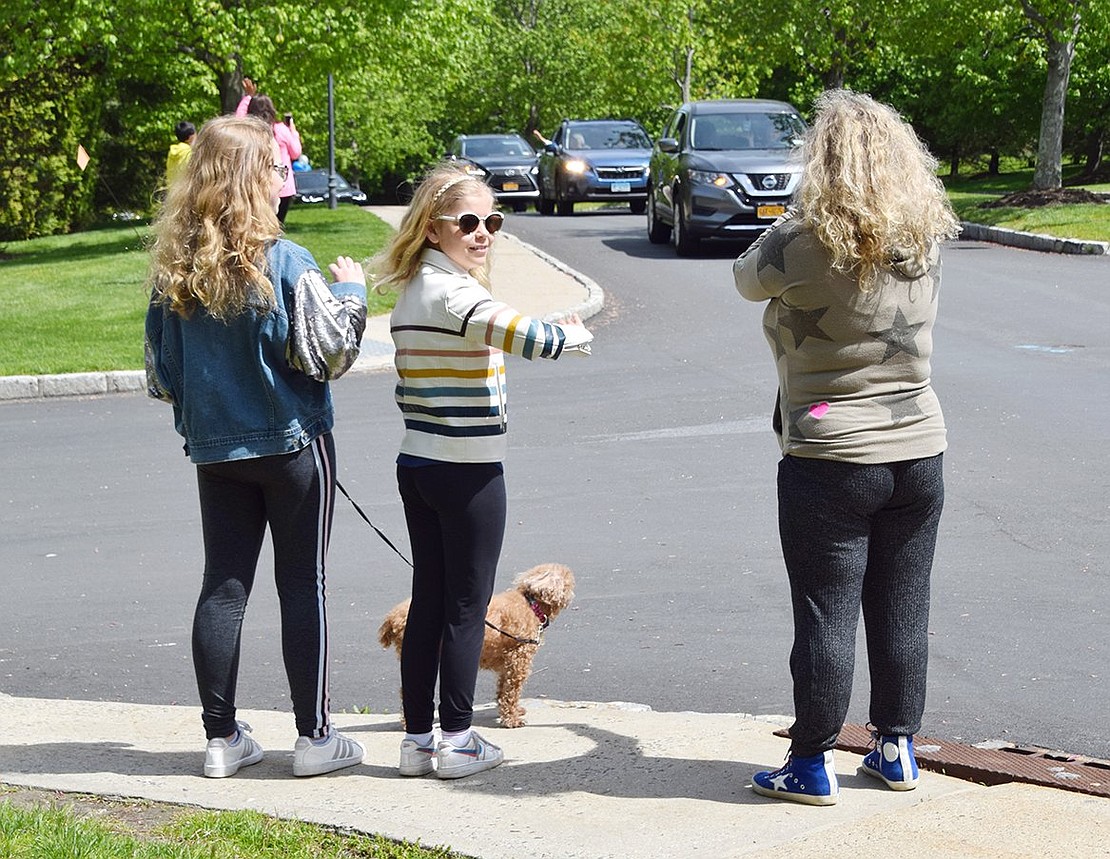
[[82, 157]]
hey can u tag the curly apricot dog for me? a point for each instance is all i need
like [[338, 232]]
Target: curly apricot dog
[[515, 620]]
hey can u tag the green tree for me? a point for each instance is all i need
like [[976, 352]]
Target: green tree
[[53, 57]]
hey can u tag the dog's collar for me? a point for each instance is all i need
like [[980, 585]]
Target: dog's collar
[[545, 622]]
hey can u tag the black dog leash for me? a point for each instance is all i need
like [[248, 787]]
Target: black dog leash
[[366, 519], [389, 543]]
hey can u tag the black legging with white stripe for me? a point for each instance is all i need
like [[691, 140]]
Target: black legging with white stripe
[[294, 495]]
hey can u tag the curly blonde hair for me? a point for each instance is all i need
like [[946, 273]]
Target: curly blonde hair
[[216, 223], [869, 189], [443, 186]]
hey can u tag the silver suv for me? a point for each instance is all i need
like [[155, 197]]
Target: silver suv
[[722, 168]]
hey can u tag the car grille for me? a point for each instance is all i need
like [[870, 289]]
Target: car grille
[[523, 182], [769, 182], [632, 172]]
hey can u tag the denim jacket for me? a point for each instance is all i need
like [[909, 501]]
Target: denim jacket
[[234, 385]]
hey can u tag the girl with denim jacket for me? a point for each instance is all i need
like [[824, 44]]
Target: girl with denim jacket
[[450, 335], [242, 336]]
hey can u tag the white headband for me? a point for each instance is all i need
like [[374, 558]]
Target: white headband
[[443, 188]]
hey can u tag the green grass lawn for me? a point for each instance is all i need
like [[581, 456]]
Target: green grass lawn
[[1090, 221], [124, 829], [76, 303]]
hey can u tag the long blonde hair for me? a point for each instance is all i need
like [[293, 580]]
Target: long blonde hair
[[443, 186], [869, 189], [217, 220]]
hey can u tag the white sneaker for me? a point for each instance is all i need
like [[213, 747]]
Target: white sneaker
[[222, 758], [476, 756], [416, 759], [317, 758]]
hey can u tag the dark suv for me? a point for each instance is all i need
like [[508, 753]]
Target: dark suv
[[595, 159], [722, 168], [505, 161]]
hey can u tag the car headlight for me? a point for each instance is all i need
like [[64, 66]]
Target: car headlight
[[708, 177], [474, 170], [575, 165]]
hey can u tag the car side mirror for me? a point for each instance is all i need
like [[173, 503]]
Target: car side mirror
[[667, 144]]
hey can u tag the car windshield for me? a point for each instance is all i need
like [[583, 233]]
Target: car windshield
[[607, 135], [716, 131], [511, 147]]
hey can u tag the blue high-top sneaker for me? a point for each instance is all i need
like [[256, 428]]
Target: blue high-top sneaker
[[810, 780], [892, 761]]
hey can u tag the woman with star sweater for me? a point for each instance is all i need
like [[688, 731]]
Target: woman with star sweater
[[450, 335], [850, 278]]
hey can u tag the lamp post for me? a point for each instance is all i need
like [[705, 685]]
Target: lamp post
[[332, 202]]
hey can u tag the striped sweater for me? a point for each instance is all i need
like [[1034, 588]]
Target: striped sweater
[[450, 335]]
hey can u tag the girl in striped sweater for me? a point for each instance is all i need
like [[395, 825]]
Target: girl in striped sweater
[[450, 336]]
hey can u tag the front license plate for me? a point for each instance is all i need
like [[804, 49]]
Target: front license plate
[[769, 211], [510, 186], [620, 187]]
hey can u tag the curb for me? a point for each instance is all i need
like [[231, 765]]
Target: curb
[[1030, 241], [71, 384], [595, 296]]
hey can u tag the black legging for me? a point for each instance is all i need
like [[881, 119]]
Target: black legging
[[294, 494], [283, 208], [456, 521]]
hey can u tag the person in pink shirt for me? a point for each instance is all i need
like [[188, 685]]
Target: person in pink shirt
[[285, 133]]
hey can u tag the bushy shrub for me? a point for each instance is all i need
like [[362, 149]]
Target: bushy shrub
[[47, 115]]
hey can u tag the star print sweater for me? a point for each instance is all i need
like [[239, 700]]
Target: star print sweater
[[853, 366], [450, 335]]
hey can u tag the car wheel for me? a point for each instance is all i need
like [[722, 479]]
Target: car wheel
[[563, 205], [684, 244], [545, 206], [658, 232], [637, 206]]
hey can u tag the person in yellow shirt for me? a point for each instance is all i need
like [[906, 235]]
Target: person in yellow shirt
[[179, 153]]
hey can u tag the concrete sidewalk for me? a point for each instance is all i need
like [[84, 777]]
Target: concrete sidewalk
[[580, 781]]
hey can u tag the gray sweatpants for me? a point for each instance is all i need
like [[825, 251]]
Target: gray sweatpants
[[858, 535]]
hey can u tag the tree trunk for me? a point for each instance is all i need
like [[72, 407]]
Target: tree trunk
[[1059, 31], [688, 74], [1048, 174], [229, 92], [993, 169], [1096, 138], [834, 77]]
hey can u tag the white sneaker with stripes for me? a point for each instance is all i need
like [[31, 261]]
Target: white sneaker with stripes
[[316, 757]]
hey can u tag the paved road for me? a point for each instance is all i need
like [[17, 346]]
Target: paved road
[[649, 469]]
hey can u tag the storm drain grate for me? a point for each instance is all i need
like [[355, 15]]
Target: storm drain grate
[[994, 765]]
